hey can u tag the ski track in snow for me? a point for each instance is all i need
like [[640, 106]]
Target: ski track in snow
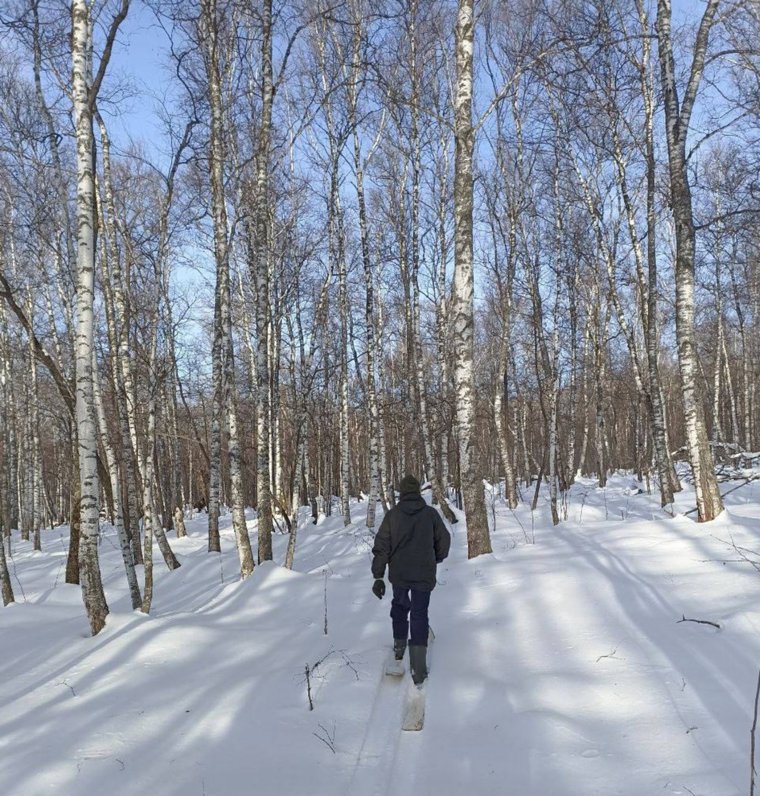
[[560, 666], [377, 753]]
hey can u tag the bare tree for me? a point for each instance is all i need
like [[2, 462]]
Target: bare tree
[[677, 122], [85, 88], [478, 537], [225, 401]]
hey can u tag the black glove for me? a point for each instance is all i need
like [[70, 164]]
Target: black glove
[[378, 588]]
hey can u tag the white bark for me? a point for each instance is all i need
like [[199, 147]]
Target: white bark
[[343, 388], [423, 423], [260, 274], [117, 319], [223, 365], [6, 470], [35, 464], [478, 537], [121, 532], [369, 306], [677, 122], [92, 586], [149, 513], [5, 578], [337, 255]]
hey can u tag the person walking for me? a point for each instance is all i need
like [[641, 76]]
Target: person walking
[[411, 541]]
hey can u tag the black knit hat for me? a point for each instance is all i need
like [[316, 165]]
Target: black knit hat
[[408, 484]]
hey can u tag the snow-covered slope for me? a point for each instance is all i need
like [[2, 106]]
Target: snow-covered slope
[[560, 667]]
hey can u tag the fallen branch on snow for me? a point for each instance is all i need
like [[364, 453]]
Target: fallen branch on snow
[[609, 655], [698, 621], [746, 555], [327, 738], [729, 491]]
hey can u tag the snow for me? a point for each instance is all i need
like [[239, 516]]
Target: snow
[[560, 669]]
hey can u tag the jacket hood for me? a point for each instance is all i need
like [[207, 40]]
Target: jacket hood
[[411, 503]]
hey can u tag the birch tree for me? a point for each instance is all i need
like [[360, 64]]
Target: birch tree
[[416, 71], [225, 402], [678, 114], [478, 537], [85, 88], [259, 258], [360, 163]]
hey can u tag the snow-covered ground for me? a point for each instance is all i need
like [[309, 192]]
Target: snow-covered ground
[[559, 667]]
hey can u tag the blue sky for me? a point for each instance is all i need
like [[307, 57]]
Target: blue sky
[[141, 55], [141, 58]]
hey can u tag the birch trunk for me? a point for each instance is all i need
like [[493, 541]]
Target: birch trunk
[[177, 502], [242, 539], [92, 586], [600, 368], [34, 440], [369, 306], [337, 256], [547, 371], [731, 395], [209, 33], [387, 495], [443, 372], [553, 445], [587, 336], [343, 301], [651, 393], [553, 369], [424, 425], [72, 560], [215, 441], [677, 121], [223, 364], [573, 387], [151, 523], [179, 522], [6, 511], [746, 369], [296, 512], [121, 532], [6, 393], [418, 370], [149, 512], [478, 537], [116, 291], [275, 339], [500, 394], [117, 319], [717, 431], [669, 483], [5, 578], [260, 273]]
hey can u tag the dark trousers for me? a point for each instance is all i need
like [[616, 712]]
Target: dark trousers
[[401, 606]]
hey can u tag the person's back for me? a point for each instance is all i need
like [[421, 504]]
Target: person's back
[[411, 541], [418, 540]]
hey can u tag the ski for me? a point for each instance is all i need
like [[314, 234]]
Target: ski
[[414, 704], [414, 708], [394, 668]]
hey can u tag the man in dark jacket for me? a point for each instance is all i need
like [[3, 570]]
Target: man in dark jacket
[[412, 541]]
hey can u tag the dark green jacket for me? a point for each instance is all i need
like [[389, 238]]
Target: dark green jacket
[[411, 541]]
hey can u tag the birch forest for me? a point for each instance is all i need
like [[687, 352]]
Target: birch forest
[[340, 241]]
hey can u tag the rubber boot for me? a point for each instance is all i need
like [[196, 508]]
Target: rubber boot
[[399, 648], [418, 663]]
